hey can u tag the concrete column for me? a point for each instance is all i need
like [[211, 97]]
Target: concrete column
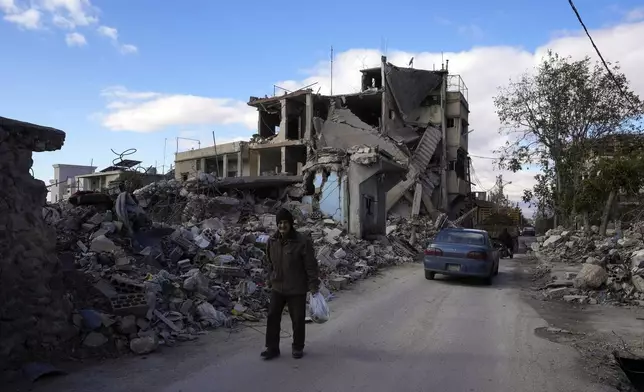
[[224, 173], [418, 194], [384, 113], [259, 164], [202, 165], [283, 155], [308, 114], [240, 167], [283, 122]]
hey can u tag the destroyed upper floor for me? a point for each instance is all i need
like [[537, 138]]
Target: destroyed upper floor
[[390, 98]]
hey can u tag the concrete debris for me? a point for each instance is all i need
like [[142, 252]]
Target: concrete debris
[[197, 260], [94, 340], [591, 276], [604, 269], [143, 345]]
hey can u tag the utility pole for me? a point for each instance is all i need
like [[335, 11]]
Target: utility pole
[[165, 144], [499, 184], [331, 70], [444, 165]]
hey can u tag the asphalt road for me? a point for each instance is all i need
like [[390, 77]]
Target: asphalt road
[[398, 332]]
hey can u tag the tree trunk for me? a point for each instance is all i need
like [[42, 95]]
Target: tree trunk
[[586, 218], [557, 196], [606, 214]]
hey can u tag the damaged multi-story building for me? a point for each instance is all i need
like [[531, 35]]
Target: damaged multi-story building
[[400, 145], [415, 123]]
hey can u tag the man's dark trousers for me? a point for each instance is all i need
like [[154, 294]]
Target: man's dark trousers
[[297, 311]]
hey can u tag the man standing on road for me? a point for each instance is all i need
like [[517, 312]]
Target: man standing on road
[[293, 271]]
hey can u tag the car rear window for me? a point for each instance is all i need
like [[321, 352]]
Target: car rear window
[[454, 237]]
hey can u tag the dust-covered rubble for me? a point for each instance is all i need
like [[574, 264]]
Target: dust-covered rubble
[[181, 260], [585, 267]]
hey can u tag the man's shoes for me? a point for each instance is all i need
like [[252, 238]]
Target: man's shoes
[[297, 354], [270, 354]]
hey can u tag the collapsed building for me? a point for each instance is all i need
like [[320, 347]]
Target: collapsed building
[[413, 125], [399, 146]]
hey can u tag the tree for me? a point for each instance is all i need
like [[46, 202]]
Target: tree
[[609, 177], [498, 198], [551, 115]]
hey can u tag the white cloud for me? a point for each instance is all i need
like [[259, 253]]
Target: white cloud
[[129, 49], [113, 35], [29, 19], [61, 14], [151, 111], [75, 39], [74, 12], [109, 32], [8, 6]]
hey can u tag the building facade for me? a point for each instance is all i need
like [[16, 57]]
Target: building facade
[[223, 160], [65, 183]]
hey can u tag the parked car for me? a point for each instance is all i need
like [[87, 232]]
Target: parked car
[[528, 232], [462, 252]]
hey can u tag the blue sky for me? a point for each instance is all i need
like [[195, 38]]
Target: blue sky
[[197, 62]]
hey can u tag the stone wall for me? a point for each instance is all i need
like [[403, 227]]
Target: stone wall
[[34, 312]]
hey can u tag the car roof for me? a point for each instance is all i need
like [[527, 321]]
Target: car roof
[[464, 230]]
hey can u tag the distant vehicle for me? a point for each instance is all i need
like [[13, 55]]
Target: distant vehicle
[[528, 232], [462, 252]]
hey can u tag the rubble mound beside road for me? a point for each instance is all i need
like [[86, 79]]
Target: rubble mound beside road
[[593, 268], [197, 263]]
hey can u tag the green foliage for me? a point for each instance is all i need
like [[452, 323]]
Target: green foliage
[[552, 115], [624, 173]]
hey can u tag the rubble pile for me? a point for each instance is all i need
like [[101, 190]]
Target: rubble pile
[[418, 231], [201, 267], [600, 269]]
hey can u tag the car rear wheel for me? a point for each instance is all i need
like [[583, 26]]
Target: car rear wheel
[[496, 270], [430, 275], [488, 281]]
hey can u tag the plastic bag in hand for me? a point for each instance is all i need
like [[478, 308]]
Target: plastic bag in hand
[[319, 309]]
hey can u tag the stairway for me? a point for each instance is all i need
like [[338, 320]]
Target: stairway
[[418, 164]]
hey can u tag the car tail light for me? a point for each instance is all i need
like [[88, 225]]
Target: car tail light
[[433, 252], [477, 255]]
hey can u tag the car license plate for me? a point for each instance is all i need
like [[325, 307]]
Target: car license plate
[[454, 267]]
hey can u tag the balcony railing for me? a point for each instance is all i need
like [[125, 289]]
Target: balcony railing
[[456, 84]]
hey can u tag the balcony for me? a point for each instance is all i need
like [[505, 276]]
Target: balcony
[[456, 84]]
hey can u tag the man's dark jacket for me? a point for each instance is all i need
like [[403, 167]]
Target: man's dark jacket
[[507, 239], [292, 264]]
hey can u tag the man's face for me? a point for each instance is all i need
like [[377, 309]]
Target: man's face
[[284, 226]]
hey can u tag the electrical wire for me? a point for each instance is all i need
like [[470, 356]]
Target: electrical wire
[[610, 73], [478, 180], [120, 156], [482, 157]]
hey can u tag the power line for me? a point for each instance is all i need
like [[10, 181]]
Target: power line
[[478, 180], [482, 157], [610, 73]]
